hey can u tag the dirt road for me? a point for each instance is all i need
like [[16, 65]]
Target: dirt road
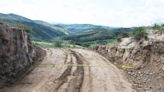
[[76, 70]]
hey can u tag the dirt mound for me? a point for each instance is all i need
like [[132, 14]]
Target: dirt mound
[[143, 61]]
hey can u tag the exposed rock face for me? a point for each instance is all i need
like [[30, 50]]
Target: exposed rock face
[[17, 54], [143, 61]]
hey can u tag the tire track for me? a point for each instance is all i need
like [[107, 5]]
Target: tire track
[[72, 71], [75, 83], [63, 78], [87, 80], [105, 79], [79, 73]]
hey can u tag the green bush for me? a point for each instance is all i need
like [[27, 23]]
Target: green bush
[[125, 34], [140, 33], [24, 27], [157, 27], [119, 39], [28, 30], [58, 43]]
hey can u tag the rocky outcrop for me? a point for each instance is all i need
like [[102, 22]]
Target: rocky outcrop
[[17, 54], [143, 61]]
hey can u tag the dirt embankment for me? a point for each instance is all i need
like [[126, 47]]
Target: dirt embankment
[[17, 54], [76, 70], [143, 61]]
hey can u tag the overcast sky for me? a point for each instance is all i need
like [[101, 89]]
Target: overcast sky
[[116, 13]]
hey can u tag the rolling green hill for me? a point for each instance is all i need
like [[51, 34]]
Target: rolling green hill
[[80, 34], [87, 38], [39, 31], [74, 28]]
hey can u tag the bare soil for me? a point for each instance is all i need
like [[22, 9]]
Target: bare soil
[[73, 70]]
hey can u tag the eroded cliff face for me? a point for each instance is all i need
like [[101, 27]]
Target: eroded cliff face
[[143, 61], [17, 54]]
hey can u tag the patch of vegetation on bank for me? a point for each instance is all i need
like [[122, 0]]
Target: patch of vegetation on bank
[[56, 44], [159, 27], [140, 33]]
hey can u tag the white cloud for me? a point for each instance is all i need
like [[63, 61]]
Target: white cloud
[[104, 12]]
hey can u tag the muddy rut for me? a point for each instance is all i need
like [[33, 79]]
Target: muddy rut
[[73, 70]]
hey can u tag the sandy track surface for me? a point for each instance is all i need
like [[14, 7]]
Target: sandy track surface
[[73, 70]]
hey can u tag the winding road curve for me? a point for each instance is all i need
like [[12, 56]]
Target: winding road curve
[[73, 70]]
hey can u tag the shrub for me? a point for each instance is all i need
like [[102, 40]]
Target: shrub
[[24, 27], [28, 30], [157, 27], [58, 43], [140, 33], [162, 25], [119, 39], [125, 34]]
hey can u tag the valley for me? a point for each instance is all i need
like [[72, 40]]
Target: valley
[[36, 56], [85, 35]]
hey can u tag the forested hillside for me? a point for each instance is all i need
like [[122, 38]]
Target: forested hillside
[[39, 31], [80, 34]]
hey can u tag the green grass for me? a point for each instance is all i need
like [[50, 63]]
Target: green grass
[[43, 44], [64, 44]]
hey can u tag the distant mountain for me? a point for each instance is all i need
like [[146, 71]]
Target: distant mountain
[[40, 31], [79, 33], [13, 17], [73, 28], [98, 36], [52, 26]]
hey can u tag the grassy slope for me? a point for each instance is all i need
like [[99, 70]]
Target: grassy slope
[[39, 31], [79, 34], [96, 37]]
